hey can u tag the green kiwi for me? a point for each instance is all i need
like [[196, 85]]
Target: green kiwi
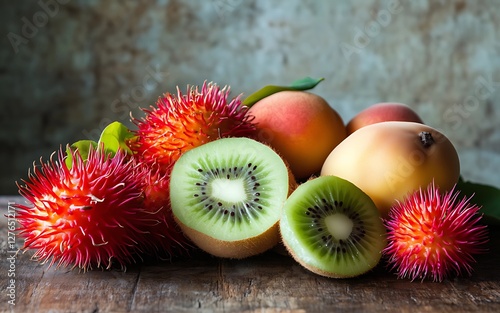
[[332, 228], [227, 196]]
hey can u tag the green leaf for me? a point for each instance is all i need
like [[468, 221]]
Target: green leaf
[[300, 84], [488, 197], [114, 138], [82, 147], [305, 83]]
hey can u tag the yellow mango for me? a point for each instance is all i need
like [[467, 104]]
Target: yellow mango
[[389, 160]]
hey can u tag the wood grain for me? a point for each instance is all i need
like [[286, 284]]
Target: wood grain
[[268, 283]]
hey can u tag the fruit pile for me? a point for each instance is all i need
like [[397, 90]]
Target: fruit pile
[[237, 178]]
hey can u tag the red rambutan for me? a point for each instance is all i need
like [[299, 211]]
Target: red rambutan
[[89, 215], [432, 235], [165, 236], [181, 122]]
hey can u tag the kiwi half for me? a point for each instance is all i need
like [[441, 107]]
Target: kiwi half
[[227, 196], [332, 228]]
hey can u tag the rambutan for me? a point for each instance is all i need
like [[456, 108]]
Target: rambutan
[[433, 235], [181, 122], [86, 215], [165, 238]]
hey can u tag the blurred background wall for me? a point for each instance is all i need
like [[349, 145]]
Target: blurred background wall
[[69, 67]]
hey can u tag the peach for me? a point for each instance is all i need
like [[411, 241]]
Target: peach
[[389, 160], [382, 112], [301, 126]]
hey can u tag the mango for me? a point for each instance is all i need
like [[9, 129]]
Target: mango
[[389, 160], [302, 127], [382, 112]]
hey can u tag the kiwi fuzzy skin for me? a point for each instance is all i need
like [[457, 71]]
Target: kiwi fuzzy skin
[[238, 249]]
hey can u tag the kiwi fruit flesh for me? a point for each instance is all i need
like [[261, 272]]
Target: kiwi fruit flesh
[[227, 196], [332, 228]]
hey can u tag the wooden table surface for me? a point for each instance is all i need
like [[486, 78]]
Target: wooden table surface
[[267, 283]]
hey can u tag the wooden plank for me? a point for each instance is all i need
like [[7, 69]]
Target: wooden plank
[[55, 290], [181, 286], [266, 283]]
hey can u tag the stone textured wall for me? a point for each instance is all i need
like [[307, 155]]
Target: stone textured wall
[[69, 67]]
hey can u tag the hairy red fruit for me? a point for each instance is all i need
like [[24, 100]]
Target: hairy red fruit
[[433, 235], [181, 122], [165, 236], [90, 215]]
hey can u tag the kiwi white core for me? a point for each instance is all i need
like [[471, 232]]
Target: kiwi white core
[[339, 225], [229, 190]]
